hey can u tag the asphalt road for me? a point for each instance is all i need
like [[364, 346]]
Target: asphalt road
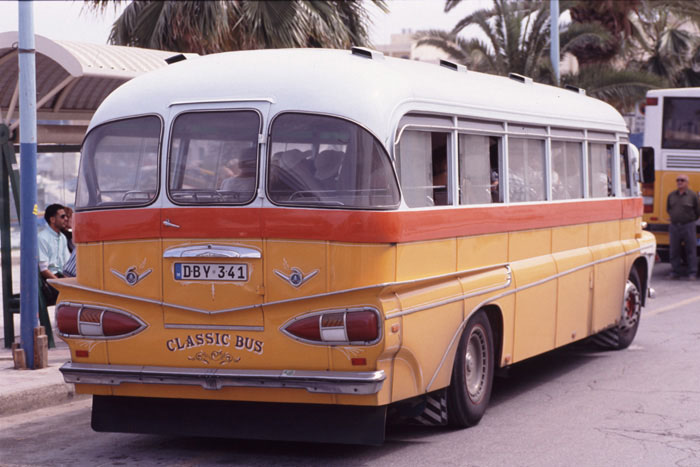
[[574, 406]]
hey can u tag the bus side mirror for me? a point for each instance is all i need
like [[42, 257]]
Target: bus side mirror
[[647, 168]]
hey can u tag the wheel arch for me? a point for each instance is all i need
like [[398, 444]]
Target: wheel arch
[[642, 268], [495, 317]]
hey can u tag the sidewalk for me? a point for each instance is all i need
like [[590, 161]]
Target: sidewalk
[[25, 390]]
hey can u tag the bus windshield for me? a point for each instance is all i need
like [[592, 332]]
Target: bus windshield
[[326, 162], [120, 164], [681, 129]]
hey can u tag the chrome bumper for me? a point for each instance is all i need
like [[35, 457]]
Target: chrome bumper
[[329, 382]]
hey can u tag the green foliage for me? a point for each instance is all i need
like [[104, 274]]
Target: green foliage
[[623, 47], [219, 25]]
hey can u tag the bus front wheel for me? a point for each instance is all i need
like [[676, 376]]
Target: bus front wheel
[[472, 375], [631, 311]]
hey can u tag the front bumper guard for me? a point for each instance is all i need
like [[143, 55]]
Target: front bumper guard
[[327, 382]]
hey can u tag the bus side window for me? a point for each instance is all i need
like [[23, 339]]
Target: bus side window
[[422, 167], [478, 169], [526, 165], [567, 170], [647, 164], [625, 181], [600, 170]]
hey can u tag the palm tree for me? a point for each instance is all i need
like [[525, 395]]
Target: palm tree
[[619, 88], [614, 16], [517, 33], [518, 41], [215, 26], [663, 44]]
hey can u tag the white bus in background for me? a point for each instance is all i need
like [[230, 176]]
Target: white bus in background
[[671, 147]]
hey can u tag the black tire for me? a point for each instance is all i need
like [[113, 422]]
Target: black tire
[[472, 375], [621, 336], [631, 311]]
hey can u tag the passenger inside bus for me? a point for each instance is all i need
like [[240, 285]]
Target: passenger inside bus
[[326, 169], [242, 170]]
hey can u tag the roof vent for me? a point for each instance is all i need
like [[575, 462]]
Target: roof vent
[[520, 78], [569, 87], [453, 66], [175, 59], [367, 53]]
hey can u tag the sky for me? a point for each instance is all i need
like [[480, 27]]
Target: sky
[[68, 20]]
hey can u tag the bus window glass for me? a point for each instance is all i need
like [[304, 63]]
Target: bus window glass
[[600, 158], [526, 165], [478, 169], [213, 157], [325, 161], [625, 180], [681, 123], [567, 172], [120, 164], [422, 165]]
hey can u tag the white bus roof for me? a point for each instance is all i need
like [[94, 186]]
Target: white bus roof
[[372, 91], [674, 92]]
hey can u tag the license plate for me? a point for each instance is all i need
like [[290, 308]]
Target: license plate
[[211, 272]]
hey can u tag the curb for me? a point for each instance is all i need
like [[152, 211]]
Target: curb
[[38, 398]]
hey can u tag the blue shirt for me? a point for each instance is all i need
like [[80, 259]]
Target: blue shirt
[[53, 250]]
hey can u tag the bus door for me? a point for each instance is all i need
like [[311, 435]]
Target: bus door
[[212, 246]]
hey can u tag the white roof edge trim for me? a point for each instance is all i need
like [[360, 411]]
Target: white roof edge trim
[[46, 46]]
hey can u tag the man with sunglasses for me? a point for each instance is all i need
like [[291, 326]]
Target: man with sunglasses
[[683, 209], [53, 249]]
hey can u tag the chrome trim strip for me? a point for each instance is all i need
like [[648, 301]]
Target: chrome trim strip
[[327, 382], [278, 302], [211, 251], [459, 329], [416, 309], [222, 101], [214, 326]]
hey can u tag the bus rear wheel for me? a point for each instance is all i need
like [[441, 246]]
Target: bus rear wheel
[[472, 376]]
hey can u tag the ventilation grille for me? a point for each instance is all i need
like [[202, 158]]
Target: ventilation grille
[[453, 66], [687, 161], [175, 59], [367, 53], [520, 78], [575, 89]]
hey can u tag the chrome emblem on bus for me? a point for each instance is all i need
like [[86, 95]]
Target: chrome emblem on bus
[[296, 278], [131, 277]]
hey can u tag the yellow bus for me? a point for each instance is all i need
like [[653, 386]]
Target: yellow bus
[[671, 147], [298, 244]]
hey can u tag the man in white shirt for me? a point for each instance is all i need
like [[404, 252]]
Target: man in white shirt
[[53, 246]]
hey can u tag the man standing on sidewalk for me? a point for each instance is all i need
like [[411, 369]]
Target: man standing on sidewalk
[[683, 209]]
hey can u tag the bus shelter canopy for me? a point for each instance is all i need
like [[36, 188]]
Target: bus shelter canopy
[[72, 79]]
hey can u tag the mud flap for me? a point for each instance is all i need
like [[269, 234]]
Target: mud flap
[[428, 409], [435, 411], [244, 420]]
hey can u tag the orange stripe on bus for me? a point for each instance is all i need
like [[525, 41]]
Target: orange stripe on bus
[[346, 226]]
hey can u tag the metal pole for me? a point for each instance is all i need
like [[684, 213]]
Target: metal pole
[[29, 264], [554, 33]]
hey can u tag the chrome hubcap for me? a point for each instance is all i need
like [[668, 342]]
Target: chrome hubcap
[[631, 307], [476, 362]]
